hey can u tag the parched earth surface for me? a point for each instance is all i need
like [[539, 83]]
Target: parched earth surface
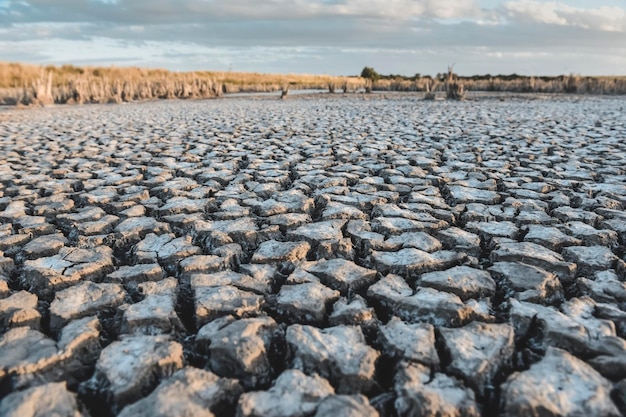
[[345, 256]]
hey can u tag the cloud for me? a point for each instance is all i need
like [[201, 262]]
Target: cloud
[[189, 11], [176, 55], [610, 19], [334, 36]]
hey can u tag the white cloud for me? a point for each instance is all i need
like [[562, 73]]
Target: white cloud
[[307, 9], [207, 10], [604, 18], [516, 55], [337, 36]]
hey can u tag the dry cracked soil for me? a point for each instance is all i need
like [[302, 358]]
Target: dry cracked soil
[[339, 256]]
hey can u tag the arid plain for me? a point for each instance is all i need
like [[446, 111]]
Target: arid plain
[[336, 255]]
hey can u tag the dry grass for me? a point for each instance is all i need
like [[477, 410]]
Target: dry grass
[[34, 84]]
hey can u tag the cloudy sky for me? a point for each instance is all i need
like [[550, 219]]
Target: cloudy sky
[[322, 36]]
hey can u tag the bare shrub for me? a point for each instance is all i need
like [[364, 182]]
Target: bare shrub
[[454, 89], [430, 93], [571, 84]]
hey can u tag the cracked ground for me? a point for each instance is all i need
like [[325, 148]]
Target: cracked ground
[[339, 256]]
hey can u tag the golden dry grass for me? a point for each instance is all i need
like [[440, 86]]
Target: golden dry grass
[[19, 75], [36, 84], [31, 84]]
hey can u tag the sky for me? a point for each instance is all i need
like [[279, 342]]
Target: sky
[[337, 37]]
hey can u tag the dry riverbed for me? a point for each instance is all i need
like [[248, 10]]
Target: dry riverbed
[[337, 256]]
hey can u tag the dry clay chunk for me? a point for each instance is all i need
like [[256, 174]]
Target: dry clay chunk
[[28, 357], [240, 348], [337, 353], [155, 314], [213, 302], [305, 303], [463, 281], [535, 255], [342, 275], [478, 351], [346, 406], [190, 392], [353, 312], [294, 394], [426, 305], [558, 385], [49, 400], [82, 300], [412, 342], [128, 367], [272, 251], [420, 394], [410, 262], [527, 282], [68, 267], [19, 309]]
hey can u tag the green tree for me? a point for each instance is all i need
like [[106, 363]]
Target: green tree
[[370, 74]]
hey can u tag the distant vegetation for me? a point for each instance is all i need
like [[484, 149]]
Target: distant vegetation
[[509, 83], [22, 84]]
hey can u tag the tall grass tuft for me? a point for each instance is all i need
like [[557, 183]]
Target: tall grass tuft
[[430, 91], [454, 89]]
